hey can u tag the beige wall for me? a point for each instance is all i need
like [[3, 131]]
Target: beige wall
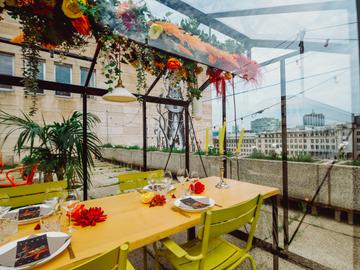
[[124, 120]]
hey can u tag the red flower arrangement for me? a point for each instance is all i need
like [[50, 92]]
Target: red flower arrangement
[[82, 25], [197, 187], [88, 217], [157, 200]]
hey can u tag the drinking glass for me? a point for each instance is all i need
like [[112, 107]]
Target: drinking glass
[[69, 204], [8, 226], [182, 176], [51, 223], [5, 204], [194, 175], [53, 197], [151, 181], [167, 181]]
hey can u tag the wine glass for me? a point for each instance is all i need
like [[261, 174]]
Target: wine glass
[[167, 180], [70, 202], [194, 175], [5, 204], [151, 181], [53, 197], [182, 176]]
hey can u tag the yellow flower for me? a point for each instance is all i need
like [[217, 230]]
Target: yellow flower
[[71, 9], [155, 31], [11, 3]]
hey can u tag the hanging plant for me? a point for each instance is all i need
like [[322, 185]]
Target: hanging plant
[[31, 57]]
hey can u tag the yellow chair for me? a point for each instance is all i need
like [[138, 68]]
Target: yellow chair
[[210, 250], [30, 194], [115, 259], [137, 180], [131, 181]]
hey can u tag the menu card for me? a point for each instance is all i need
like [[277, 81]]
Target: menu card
[[195, 204], [32, 250], [29, 212]]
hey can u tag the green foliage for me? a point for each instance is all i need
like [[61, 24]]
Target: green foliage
[[356, 162], [174, 150], [107, 145], [301, 157], [8, 166], [152, 148], [57, 147]]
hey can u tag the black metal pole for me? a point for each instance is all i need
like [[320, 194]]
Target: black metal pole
[[223, 121], [187, 141], [85, 138], [144, 137], [284, 153], [275, 232]]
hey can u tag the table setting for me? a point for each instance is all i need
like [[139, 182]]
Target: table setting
[[52, 222]]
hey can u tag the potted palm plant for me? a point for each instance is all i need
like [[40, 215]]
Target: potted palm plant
[[57, 147]]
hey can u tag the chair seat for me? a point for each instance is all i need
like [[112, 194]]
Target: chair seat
[[221, 254], [129, 266]]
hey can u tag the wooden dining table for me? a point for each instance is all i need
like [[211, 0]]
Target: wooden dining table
[[129, 220]]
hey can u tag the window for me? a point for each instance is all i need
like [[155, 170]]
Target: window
[[6, 68], [83, 75], [41, 74], [63, 75]]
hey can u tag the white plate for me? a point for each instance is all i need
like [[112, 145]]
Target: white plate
[[148, 187], [45, 211], [7, 247], [203, 199]]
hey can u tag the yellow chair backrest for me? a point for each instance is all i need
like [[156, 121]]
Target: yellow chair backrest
[[139, 179], [115, 259], [30, 194]]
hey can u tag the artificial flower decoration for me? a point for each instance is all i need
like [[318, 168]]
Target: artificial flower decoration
[[18, 39], [173, 64], [228, 76], [88, 217], [82, 25], [217, 77], [71, 9], [157, 200], [2, 3], [155, 31], [197, 187], [44, 7]]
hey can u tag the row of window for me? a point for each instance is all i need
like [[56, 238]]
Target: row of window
[[62, 73]]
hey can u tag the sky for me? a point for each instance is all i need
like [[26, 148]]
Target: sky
[[329, 81]]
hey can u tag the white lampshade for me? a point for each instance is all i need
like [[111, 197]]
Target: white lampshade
[[197, 109], [119, 94]]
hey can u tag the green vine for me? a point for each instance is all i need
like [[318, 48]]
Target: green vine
[[31, 57]]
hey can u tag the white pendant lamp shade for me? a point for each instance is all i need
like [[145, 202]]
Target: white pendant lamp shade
[[197, 109], [119, 94]]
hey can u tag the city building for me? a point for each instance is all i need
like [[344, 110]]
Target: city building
[[265, 124], [314, 120], [330, 142]]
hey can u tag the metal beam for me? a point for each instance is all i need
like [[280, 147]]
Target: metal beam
[[293, 45], [284, 153], [152, 99], [277, 59], [79, 89], [58, 52], [54, 86], [321, 6], [205, 85], [155, 82], [203, 18], [144, 137]]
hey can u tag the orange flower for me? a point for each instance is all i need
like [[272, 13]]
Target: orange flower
[[184, 50], [159, 65], [173, 64], [212, 59], [227, 76], [48, 46], [198, 70], [82, 25], [18, 39]]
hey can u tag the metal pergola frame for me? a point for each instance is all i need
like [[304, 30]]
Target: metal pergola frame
[[211, 21]]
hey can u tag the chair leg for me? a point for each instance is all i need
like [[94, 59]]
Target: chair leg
[[145, 257], [252, 262], [157, 265]]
